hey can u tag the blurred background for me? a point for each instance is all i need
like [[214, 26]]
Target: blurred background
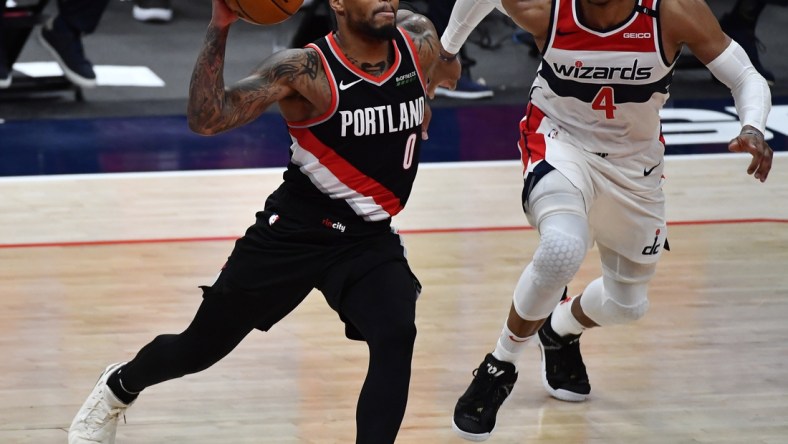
[[143, 52]]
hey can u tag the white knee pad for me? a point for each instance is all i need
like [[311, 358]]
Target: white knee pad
[[562, 248], [553, 194], [608, 302]]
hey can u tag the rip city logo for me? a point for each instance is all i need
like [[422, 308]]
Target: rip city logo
[[334, 225], [654, 247]]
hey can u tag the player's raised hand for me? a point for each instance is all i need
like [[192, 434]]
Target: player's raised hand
[[750, 140], [222, 15]]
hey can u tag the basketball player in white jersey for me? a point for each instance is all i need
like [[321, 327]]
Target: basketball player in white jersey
[[592, 154]]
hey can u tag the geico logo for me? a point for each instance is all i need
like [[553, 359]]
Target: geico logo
[[637, 35]]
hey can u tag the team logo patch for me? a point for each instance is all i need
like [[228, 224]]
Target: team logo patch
[[272, 220], [653, 249], [339, 226], [406, 78]]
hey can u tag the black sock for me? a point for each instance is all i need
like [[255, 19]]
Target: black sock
[[116, 385]]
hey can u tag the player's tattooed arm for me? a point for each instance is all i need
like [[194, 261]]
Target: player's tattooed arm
[[438, 66], [214, 108], [424, 36]]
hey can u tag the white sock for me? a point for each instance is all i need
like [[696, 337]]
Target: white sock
[[510, 346], [563, 321]]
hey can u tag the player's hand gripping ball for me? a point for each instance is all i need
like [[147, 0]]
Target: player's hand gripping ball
[[264, 12]]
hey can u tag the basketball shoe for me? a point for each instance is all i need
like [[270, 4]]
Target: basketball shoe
[[152, 11], [563, 372], [466, 88], [65, 45], [97, 419], [475, 412], [5, 69]]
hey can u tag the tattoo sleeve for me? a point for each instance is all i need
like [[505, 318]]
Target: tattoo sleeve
[[206, 90], [213, 108], [424, 36]]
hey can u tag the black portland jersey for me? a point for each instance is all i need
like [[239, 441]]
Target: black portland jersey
[[363, 153]]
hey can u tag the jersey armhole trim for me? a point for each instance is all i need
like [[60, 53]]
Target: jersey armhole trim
[[414, 55], [332, 83]]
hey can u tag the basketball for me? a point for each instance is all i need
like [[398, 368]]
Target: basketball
[[264, 12]]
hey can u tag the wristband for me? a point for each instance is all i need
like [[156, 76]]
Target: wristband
[[753, 133], [445, 58]]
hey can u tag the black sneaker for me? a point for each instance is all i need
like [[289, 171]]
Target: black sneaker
[[563, 372], [474, 414], [66, 47], [745, 37], [152, 11]]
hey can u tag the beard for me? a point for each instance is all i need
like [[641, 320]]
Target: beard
[[366, 28]]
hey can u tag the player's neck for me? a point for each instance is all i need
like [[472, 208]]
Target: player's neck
[[372, 56], [604, 14]]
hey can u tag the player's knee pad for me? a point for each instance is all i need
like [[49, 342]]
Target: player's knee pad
[[608, 302], [559, 255], [562, 248], [553, 194]]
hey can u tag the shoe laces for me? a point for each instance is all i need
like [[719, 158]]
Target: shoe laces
[[485, 383], [94, 414], [571, 361]]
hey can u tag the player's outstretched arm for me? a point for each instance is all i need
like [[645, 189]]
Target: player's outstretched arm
[[692, 23]]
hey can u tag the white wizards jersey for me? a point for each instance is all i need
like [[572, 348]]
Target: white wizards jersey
[[605, 88]]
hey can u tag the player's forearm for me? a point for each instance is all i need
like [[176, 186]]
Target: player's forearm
[[750, 91], [465, 16], [206, 90]]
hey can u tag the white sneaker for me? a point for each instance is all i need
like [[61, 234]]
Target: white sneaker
[[5, 75], [97, 419], [152, 10]]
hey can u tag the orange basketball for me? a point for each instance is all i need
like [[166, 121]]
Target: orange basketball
[[264, 12]]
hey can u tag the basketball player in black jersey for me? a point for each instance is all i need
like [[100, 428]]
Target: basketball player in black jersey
[[355, 106]]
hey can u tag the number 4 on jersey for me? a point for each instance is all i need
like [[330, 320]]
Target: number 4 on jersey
[[604, 102]]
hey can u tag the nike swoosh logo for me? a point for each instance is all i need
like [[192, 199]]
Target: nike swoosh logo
[[343, 86], [646, 172]]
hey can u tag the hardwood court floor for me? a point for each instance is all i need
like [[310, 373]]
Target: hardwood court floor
[[708, 364]]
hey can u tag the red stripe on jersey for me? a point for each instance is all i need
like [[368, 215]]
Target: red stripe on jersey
[[637, 36], [346, 172], [532, 144]]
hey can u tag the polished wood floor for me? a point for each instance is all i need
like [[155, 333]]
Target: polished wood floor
[[93, 267]]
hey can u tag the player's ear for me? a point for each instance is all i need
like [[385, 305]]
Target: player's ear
[[338, 6]]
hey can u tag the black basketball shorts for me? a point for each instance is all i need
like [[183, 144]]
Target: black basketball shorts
[[287, 253]]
